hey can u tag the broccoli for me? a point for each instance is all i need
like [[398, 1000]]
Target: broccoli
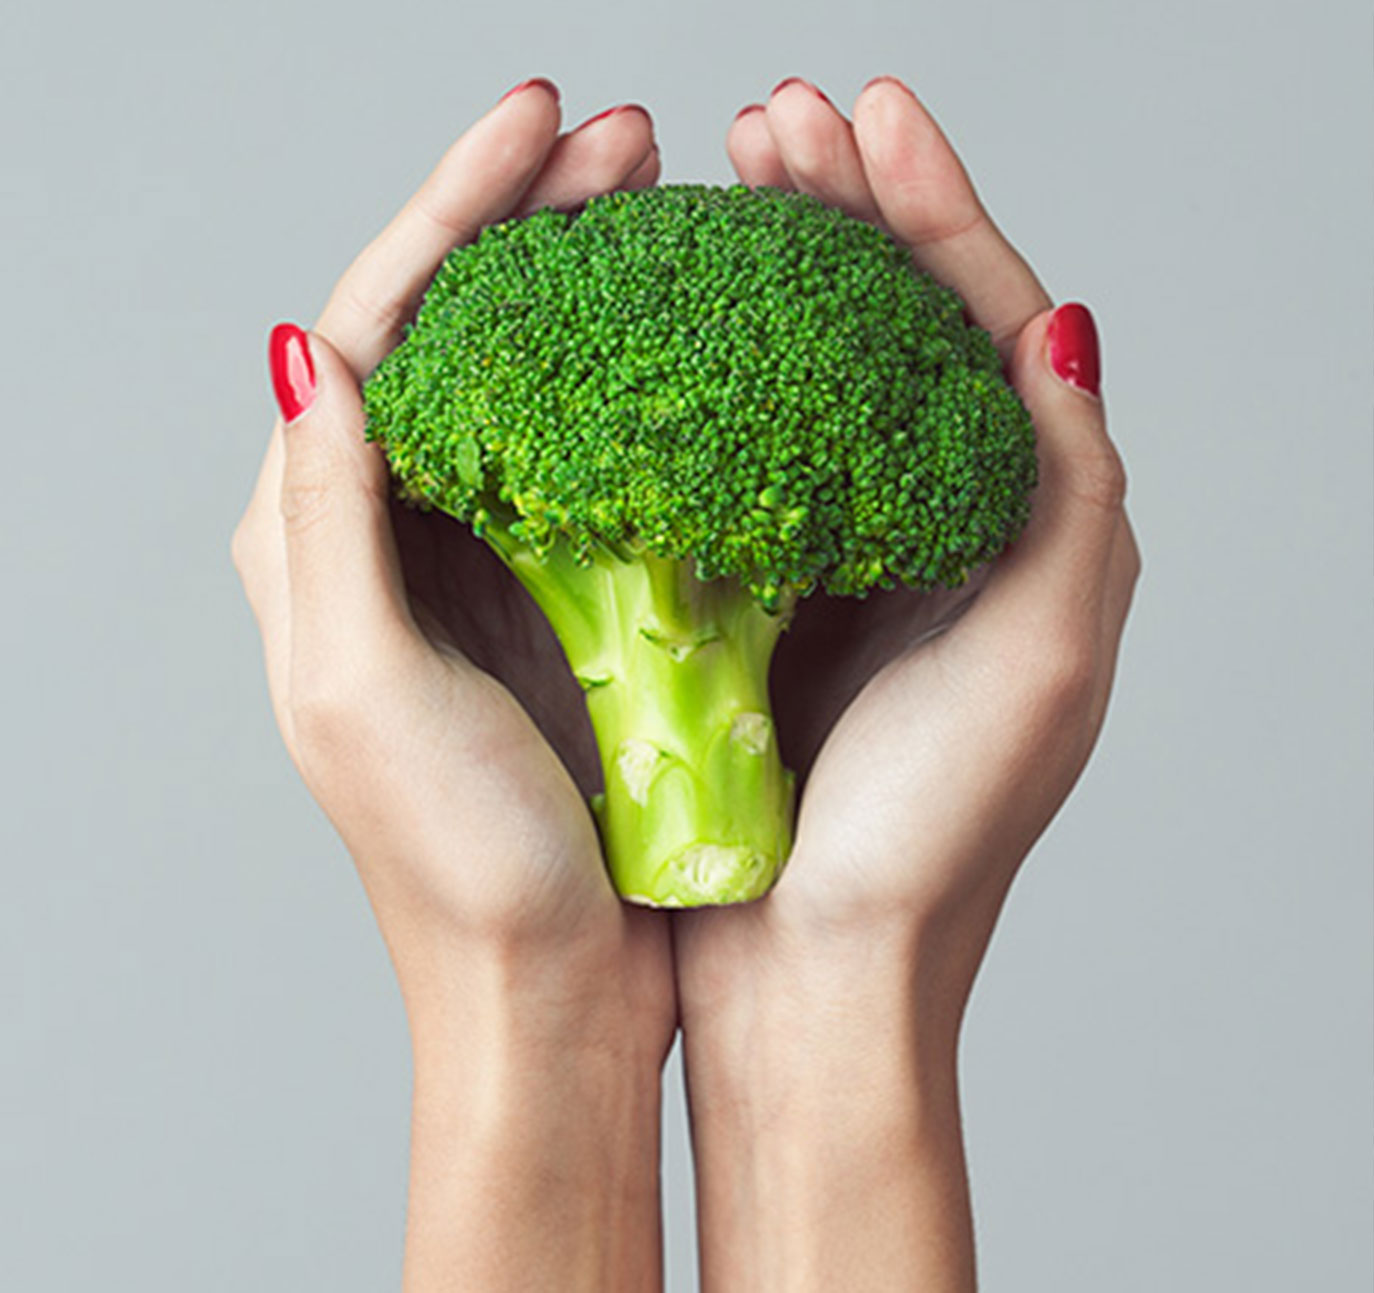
[[673, 413]]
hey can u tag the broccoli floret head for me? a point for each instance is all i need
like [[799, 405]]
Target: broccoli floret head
[[688, 406]]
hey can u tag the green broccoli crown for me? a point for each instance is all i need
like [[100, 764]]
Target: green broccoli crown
[[746, 378]]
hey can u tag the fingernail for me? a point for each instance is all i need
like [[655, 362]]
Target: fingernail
[[747, 109], [600, 116], [888, 80], [611, 112], [1074, 353], [541, 81], [292, 369], [797, 80]]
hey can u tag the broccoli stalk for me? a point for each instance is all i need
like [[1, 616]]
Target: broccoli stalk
[[697, 806]]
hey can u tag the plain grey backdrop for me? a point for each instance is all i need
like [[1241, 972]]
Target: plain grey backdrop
[[204, 1066]]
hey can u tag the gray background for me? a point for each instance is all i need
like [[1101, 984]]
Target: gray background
[[204, 1069]]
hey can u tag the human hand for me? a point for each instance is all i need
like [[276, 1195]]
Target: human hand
[[410, 677], [933, 749]]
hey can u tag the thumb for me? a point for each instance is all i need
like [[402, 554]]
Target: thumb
[[1056, 573], [347, 595]]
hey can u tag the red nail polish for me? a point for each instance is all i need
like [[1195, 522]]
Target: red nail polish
[[292, 369], [1074, 353], [888, 80], [797, 80], [600, 116], [615, 112], [542, 81], [747, 109]]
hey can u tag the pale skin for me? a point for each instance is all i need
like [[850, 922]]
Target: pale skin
[[431, 715]]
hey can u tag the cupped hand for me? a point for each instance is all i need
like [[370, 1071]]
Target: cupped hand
[[416, 686], [935, 735]]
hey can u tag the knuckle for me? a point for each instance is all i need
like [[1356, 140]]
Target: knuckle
[[385, 315], [806, 156], [329, 727], [1059, 679], [1131, 571], [1134, 561], [304, 504], [246, 550], [1099, 479], [240, 549], [338, 712]]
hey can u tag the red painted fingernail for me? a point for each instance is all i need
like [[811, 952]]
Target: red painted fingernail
[[797, 80], [615, 112], [541, 81], [1074, 353], [888, 80], [600, 116], [292, 369], [747, 109]]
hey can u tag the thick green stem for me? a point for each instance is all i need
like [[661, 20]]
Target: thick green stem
[[697, 807]]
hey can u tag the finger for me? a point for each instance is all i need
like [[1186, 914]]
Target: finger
[[1054, 578], [817, 148], [752, 151], [595, 158], [646, 174], [348, 606], [479, 181], [927, 200]]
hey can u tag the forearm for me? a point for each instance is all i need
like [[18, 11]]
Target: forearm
[[826, 1130], [534, 1153]]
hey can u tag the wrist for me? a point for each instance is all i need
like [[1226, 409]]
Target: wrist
[[824, 1097], [603, 975], [781, 964], [537, 1168], [535, 1134], [859, 1028]]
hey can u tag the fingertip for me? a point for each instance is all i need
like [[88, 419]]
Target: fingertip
[[1073, 349], [888, 80], [291, 368], [536, 83], [1056, 371], [534, 104], [753, 152], [621, 110], [884, 94], [1058, 352], [329, 370], [334, 423], [800, 83]]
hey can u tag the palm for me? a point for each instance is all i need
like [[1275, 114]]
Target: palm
[[857, 728], [467, 601], [833, 649]]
